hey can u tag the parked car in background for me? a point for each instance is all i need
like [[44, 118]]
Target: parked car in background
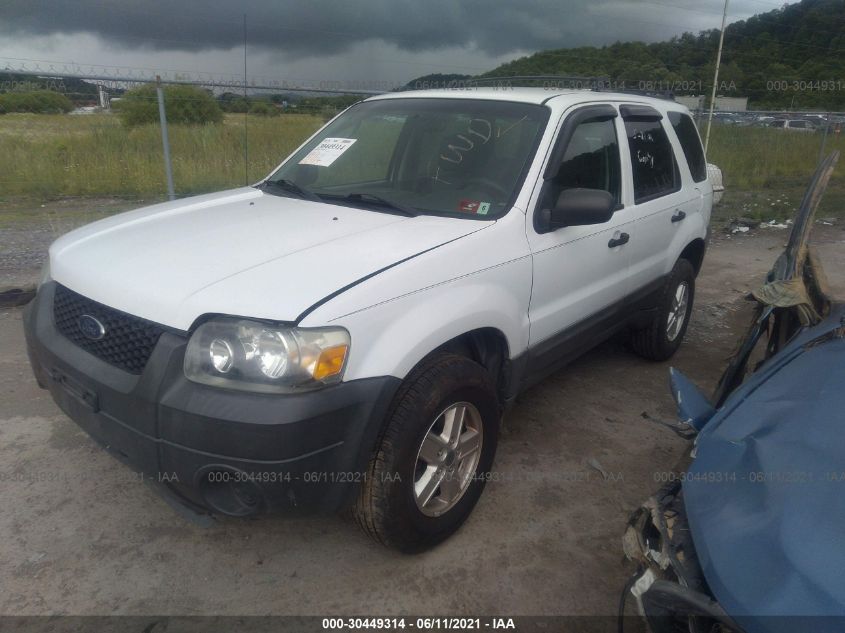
[[726, 118], [818, 120], [748, 537], [714, 174], [793, 125], [745, 119], [347, 332]]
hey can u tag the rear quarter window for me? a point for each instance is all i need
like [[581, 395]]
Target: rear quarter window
[[687, 135]]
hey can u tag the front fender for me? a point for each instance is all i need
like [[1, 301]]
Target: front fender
[[398, 317], [390, 338]]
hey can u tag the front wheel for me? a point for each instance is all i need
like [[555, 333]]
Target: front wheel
[[663, 336], [433, 457]]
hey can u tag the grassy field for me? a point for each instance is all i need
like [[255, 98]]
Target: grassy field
[[766, 171], [50, 157]]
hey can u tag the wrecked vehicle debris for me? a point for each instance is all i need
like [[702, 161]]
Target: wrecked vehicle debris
[[747, 538]]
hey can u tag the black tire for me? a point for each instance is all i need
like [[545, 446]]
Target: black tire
[[654, 342], [387, 508]]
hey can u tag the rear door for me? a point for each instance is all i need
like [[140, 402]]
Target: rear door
[[661, 201]]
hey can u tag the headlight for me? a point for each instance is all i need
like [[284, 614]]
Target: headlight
[[252, 356], [45, 273]]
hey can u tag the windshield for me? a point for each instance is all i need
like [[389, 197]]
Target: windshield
[[459, 157]]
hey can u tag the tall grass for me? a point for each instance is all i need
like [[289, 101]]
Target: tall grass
[[50, 156], [767, 170], [754, 158], [47, 156]]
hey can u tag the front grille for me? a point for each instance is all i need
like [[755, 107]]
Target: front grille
[[128, 341]]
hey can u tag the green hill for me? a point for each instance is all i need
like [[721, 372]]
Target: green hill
[[789, 57]]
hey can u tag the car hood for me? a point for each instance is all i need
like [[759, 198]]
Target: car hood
[[241, 252]]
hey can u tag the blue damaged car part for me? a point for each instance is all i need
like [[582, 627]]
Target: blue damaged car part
[[769, 538], [694, 408], [748, 536]]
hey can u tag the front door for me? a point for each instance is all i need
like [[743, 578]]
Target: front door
[[580, 272]]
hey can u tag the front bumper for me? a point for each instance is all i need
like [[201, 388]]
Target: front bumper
[[228, 451]]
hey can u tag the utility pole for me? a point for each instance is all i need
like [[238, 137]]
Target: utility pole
[[716, 77]]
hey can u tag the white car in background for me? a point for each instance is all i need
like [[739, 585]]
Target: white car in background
[[349, 331], [793, 125]]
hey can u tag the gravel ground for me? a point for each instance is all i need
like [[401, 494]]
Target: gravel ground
[[26, 231], [82, 537]]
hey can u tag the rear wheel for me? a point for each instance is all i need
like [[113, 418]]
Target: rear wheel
[[662, 337], [429, 467]]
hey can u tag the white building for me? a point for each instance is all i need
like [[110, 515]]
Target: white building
[[723, 104]]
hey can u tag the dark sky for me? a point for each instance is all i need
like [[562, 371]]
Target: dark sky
[[331, 40]]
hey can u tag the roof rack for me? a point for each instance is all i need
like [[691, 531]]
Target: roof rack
[[565, 82], [668, 95], [561, 82]]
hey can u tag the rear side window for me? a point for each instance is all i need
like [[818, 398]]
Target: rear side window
[[653, 161], [691, 144]]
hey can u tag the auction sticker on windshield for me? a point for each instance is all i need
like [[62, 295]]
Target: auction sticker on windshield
[[327, 152]]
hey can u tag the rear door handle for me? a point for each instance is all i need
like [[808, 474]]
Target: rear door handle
[[679, 215], [619, 241]]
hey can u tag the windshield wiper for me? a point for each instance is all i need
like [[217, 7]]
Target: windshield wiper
[[288, 186], [373, 199]]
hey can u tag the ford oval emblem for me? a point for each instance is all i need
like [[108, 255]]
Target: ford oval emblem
[[91, 327]]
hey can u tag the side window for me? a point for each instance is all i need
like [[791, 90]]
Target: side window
[[653, 161], [691, 144], [798, 124], [590, 161]]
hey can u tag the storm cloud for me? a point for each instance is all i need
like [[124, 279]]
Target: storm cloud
[[305, 28]]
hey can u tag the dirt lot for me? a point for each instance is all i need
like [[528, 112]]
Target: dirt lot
[[81, 537]]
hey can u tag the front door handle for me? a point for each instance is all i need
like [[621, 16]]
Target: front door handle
[[679, 215], [619, 241]]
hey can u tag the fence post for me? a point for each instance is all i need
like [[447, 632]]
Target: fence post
[[171, 194], [824, 138]]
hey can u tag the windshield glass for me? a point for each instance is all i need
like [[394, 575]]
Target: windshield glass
[[460, 157]]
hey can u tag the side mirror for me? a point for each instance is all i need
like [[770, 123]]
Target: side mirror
[[578, 207]]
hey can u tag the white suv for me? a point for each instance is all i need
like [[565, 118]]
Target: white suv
[[348, 332]]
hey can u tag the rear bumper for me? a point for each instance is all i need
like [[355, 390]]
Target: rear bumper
[[228, 451]]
